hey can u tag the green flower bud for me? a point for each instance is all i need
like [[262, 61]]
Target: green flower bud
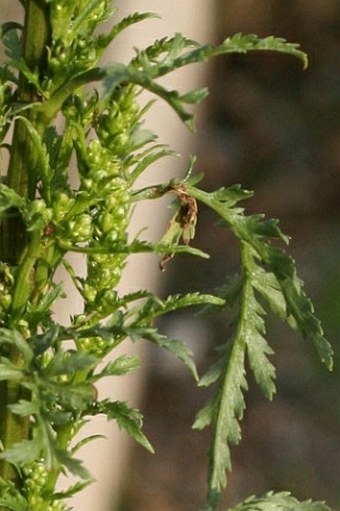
[[62, 205], [119, 213], [111, 237], [90, 292], [5, 301], [88, 184], [98, 258], [107, 222], [99, 175], [80, 228]]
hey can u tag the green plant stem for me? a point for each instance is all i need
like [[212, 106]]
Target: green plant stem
[[24, 280], [16, 247], [13, 427], [64, 434], [21, 171]]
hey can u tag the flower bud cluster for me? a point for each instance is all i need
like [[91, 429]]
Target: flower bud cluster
[[6, 283], [116, 125], [79, 55], [109, 224], [103, 168], [62, 204], [74, 50], [38, 215], [35, 478], [70, 222]]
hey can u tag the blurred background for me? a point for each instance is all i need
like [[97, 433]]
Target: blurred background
[[275, 129]]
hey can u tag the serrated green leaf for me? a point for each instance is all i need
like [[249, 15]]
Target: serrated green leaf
[[24, 407], [244, 43], [84, 15], [258, 349], [269, 288], [230, 410], [135, 247], [9, 25], [161, 58], [23, 452], [58, 418], [42, 342], [129, 419], [154, 307], [161, 52], [75, 397], [299, 306], [140, 137], [215, 372], [72, 490], [48, 299], [232, 195], [175, 347], [150, 64], [207, 414], [175, 302], [145, 159], [14, 338], [31, 76], [8, 371], [103, 40], [276, 261], [282, 501], [10, 199], [85, 441], [69, 362], [122, 365], [225, 410], [10, 497], [12, 41], [73, 465], [195, 96], [285, 296], [229, 292]]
